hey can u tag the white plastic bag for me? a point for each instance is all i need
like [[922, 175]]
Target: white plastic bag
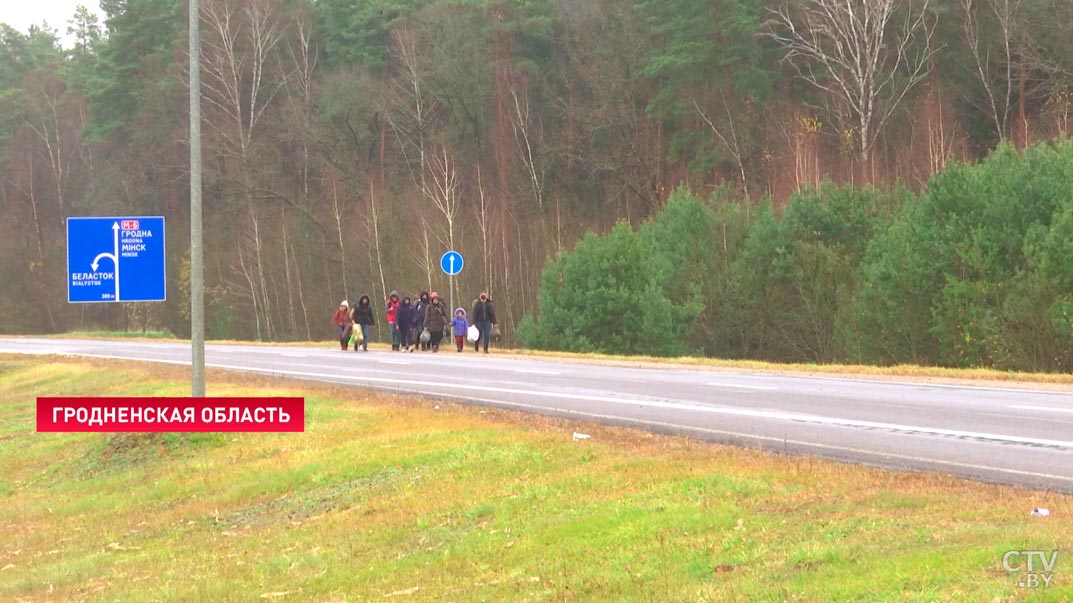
[[473, 333]]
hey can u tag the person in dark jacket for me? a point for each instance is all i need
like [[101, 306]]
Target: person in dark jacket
[[419, 317], [363, 315], [483, 314], [436, 320], [341, 320], [404, 316]]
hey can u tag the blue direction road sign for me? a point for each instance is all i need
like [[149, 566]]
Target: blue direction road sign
[[451, 262], [115, 259]]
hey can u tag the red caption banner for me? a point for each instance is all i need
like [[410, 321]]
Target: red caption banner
[[170, 415]]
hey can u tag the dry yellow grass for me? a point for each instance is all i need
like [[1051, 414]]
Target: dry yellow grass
[[385, 494]]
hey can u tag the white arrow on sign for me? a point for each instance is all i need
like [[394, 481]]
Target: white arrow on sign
[[114, 257]]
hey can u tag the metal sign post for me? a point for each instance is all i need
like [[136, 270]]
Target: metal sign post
[[197, 256]]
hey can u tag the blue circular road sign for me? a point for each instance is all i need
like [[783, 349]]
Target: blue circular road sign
[[451, 262]]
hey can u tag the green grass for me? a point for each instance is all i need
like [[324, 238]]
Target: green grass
[[135, 334], [386, 496]]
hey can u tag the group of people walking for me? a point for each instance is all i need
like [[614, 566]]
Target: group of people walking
[[420, 324]]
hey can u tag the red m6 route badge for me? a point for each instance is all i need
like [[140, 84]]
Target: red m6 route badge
[[129, 225]]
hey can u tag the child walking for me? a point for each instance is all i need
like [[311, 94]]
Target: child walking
[[458, 327]]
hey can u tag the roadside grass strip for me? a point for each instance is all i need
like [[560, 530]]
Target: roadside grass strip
[[391, 498]]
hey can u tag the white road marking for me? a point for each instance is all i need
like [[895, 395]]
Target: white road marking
[[985, 388], [780, 441], [632, 402], [761, 414], [394, 362], [1043, 408], [293, 355], [766, 387], [535, 372]]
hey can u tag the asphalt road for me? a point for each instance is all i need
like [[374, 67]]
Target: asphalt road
[[1012, 436]]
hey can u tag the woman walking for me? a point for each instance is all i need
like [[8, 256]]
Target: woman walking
[[392, 321], [363, 318], [341, 319], [435, 320]]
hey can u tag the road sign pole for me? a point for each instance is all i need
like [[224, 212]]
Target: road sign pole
[[197, 291], [115, 257]]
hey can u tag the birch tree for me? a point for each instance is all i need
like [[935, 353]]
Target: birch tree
[[994, 67], [864, 56], [527, 136], [239, 52]]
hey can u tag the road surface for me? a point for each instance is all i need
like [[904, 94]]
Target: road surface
[[1012, 436]]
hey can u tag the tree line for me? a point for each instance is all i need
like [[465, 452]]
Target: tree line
[[349, 143], [975, 272]]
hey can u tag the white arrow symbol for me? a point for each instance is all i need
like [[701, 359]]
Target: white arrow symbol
[[452, 259], [114, 256]]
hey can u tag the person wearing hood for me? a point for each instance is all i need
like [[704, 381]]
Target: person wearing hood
[[341, 319], [392, 322], [484, 316], [363, 316], [459, 325], [404, 316], [435, 320], [419, 317]]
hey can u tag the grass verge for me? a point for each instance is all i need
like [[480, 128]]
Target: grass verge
[[387, 498]]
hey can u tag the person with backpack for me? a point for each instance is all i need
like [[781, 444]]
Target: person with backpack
[[341, 319], [363, 317], [392, 322], [483, 314], [459, 326], [435, 320]]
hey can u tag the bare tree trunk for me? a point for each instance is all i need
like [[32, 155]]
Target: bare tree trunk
[[519, 118], [444, 192], [338, 215], [258, 254], [48, 130], [254, 298], [730, 144], [304, 56], [374, 219], [483, 225], [288, 277], [45, 298], [1022, 117], [302, 297], [999, 101], [558, 226], [940, 142]]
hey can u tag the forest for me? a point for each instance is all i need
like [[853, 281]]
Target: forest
[[812, 180]]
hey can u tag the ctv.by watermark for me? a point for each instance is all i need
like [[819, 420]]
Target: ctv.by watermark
[[1034, 569]]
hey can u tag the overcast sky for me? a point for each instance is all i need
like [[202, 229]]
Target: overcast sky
[[21, 14]]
